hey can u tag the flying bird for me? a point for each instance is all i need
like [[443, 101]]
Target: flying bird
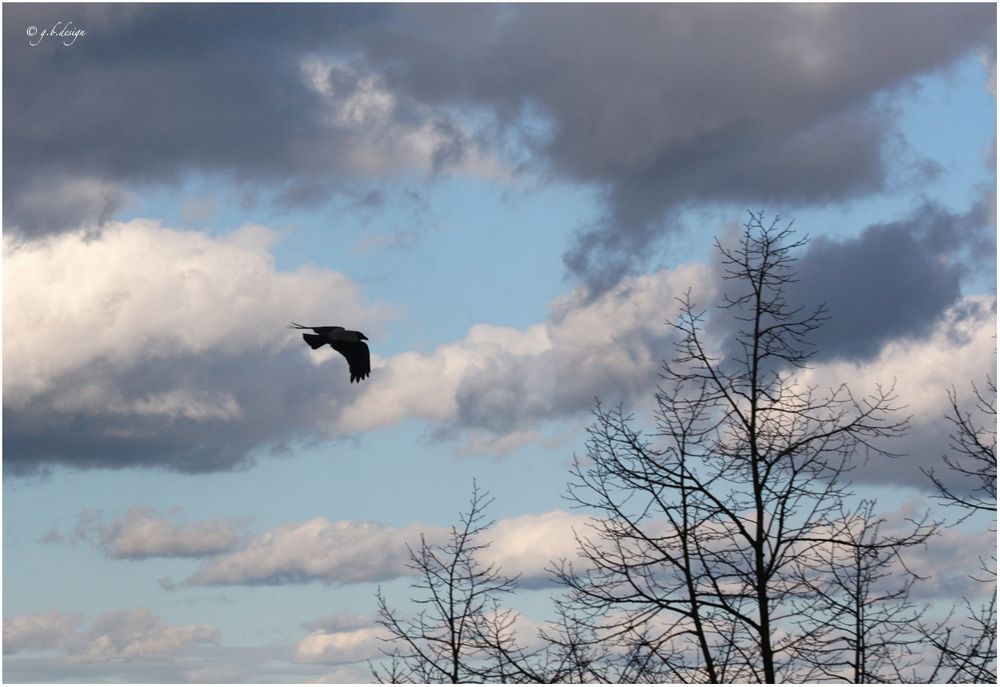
[[348, 343]]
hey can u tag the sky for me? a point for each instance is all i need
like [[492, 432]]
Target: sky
[[506, 199]]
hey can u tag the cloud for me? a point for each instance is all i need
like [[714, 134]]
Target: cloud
[[140, 533], [229, 673], [344, 552], [128, 634], [961, 348], [131, 346], [338, 622], [896, 286], [316, 550], [51, 630], [132, 634], [894, 280], [950, 562], [293, 119], [668, 105], [525, 544], [348, 646], [658, 106], [500, 382]]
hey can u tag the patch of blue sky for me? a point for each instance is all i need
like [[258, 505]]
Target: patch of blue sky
[[950, 117]]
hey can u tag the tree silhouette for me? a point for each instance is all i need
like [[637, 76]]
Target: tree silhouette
[[967, 652], [710, 536], [726, 545], [458, 599]]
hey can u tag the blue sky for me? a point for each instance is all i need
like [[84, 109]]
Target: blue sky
[[496, 221]]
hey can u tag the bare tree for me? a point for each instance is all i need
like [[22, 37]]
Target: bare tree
[[710, 528], [870, 630], [463, 633], [458, 597], [973, 461], [966, 651]]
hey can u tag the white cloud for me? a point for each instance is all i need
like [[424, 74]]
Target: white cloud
[[951, 563], [141, 344], [525, 544], [338, 622], [51, 630], [960, 349], [137, 633], [315, 550], [141, 533], [352, 552], [139, 330], [340, 647], [502, 383], [127, 634], [140, 291]]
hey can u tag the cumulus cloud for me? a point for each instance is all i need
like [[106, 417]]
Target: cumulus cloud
[[142, 533], [131, 346], [128, 634], [48, 631], [525, 544], [343, 552], [501, 383], [893, 280], [316, 550], [348, 646], [893, 293], [659, 106], [961, 348], [132, 634], [392, 133]]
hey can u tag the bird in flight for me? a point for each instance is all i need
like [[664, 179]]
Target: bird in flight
[[348, 343]]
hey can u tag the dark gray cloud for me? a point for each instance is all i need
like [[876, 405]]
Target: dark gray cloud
[[154, 91], [666, 105], [894, 280], [661, 106]]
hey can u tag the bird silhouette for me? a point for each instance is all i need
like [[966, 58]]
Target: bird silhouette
[[348, 343]]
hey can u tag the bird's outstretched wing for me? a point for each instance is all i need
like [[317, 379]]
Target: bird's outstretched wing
[[358, 357], [318, 330]]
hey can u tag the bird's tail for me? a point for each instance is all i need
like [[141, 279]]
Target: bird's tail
[[314, 340]]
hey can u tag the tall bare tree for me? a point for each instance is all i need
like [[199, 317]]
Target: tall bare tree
[[710, 528]]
